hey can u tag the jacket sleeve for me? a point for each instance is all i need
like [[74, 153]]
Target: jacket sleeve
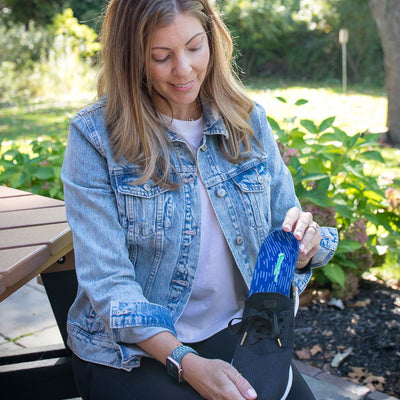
[[283, 197], [105, 273]]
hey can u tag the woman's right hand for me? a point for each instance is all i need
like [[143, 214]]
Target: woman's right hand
[[215, 379]]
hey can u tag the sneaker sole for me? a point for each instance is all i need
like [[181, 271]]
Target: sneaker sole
[[289, 384]]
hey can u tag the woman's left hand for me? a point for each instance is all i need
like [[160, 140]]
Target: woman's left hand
[[305, 230]]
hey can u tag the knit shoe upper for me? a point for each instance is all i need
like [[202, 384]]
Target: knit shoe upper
[[265, 344]]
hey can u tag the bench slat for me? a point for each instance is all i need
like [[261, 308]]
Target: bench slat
[[10, 192], [53, 235], [16, 263], [27, 202], [34, 235], [24, 218]]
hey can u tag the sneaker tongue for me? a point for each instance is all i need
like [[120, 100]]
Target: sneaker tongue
[[261, 325]]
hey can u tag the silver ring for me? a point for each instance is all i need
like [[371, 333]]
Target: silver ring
[[237, 377], [314, 225]]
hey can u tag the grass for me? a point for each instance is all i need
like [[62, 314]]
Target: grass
[[37, 118]]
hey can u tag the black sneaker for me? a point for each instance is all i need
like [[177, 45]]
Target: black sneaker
[[265, 335], [265, 344]]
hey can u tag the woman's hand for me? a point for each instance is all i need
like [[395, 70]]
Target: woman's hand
[[215, 379], [306, 231]]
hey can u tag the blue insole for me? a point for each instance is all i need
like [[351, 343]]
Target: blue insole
[[275, 265]]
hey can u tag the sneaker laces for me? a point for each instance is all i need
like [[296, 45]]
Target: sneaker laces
[[257, 325]]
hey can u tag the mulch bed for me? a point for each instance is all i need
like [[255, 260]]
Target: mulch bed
[[362, 339]]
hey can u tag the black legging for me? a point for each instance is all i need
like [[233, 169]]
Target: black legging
[[151, 382]]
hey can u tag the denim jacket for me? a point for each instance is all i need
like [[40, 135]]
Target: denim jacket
[[137, 246]]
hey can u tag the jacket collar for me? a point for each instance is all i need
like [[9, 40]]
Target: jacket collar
[[213, 123]]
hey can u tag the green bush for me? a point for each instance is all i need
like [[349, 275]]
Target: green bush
[[327, 166], [81, 37], [34, 166], [299, 40], [44, 61]]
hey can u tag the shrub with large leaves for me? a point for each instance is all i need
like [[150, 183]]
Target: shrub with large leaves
[[331, 180], [34, 166]]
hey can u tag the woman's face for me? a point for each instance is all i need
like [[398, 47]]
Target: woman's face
[[178, 66]]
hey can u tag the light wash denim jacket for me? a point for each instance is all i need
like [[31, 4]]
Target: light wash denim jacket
[[137, 246]]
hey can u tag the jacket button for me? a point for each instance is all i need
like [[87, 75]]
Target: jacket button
[[239, 240], [204, 147], [221, 193], [260, 180], [147, 187]]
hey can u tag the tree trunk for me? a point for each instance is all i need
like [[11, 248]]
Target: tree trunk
[[387, 17]]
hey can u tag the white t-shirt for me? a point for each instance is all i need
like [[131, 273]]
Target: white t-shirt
[[218, 291]]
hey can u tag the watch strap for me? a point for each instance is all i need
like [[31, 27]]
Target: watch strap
[[173, 362], [181, 351]]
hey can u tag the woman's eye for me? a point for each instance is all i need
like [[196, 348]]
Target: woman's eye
[[193, 49], [160, 60]]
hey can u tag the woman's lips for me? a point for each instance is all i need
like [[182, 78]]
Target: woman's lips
[[182, 87]]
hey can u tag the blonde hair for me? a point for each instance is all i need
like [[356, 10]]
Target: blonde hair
[[136, 130]]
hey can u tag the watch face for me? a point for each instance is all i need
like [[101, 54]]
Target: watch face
[[174, 370]]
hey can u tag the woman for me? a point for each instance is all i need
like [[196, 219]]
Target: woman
[[172, 180]]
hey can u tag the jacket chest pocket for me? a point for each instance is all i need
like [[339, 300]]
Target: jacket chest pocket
[[147, 208], [253, 190]]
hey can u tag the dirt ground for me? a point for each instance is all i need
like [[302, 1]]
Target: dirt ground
[[360, 342]]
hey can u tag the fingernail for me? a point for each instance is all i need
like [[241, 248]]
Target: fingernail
[[287, 226], [303, 248], [251, 393]]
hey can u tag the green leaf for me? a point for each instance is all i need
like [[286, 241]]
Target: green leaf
[[8, 173], [348, 246], [309, 125], [21, 158], [315, 176], [373, 155], [274, 125], [335, 273], [326, 123], [344, 211], [18, 180], [355, 172], [281, 99], [371, 138], [372, 195], [300, 102], [324, 184], [317, 197], [43, 173], [337, 136], [352, 141], [53, 191], [346, 262]]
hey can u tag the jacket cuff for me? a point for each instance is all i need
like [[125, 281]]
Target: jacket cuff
[[133, 322], [327, 247]]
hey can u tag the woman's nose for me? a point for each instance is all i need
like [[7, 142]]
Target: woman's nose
[[182, 65]]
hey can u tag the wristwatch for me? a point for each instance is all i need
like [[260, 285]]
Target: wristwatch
[[173, 364]]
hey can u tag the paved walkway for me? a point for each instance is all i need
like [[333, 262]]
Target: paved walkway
[[27, 321]]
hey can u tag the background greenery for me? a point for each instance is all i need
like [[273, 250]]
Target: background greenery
[[299, 39], [289, 39], [291, 55]]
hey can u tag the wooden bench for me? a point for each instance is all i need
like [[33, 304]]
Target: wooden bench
[[35, 239]]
